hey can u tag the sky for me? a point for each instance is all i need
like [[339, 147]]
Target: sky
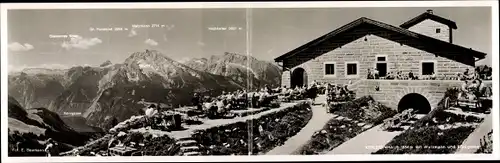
[[62, 38]]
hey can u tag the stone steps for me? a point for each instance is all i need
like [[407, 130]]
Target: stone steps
[[186, 142], [191, 154], [190, 149], [189, 146], [185, 139]]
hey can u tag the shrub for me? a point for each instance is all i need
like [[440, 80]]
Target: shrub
[[427, 140], [365, 109], [451, 93], [234, 138], [134, 137], [334, 133], [161, 146], [486, 144]]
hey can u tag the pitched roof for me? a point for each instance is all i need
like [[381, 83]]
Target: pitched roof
[[376, 25], [425, 16]]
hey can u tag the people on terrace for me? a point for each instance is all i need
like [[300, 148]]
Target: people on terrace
[[376, 73], [369, 74], [197, 101], [411, 76]]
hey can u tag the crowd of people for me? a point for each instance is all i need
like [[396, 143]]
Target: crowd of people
[[337, 93], [241, 99], [299, 92], [473, 89], [400, 75]]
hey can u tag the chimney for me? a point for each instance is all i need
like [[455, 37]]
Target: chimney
[[429, 11]]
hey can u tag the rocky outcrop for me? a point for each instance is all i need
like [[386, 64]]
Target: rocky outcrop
[[244, 69]]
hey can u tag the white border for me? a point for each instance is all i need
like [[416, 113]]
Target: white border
[[337, 4], [420, 70], [357, 69], [334, 70]]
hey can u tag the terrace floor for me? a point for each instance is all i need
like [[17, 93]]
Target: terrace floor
[[472, 143], [209, 123], [318, 120]]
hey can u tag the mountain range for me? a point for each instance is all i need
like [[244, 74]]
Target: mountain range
[[87, 97]]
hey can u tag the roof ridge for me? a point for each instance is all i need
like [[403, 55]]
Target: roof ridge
[[425, 16], [363, 20]]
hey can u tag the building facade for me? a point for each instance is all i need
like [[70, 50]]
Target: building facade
[[422, 45]]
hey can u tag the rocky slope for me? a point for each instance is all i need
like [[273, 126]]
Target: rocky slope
[[36, 88], [241, 68], [30, 128], [80, 92]]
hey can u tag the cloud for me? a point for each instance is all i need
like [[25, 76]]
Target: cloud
[[54, 66], [269, 51], [184, 60], [16, 46], [79, 42], [200, 43], [132, 33], [151, 42]]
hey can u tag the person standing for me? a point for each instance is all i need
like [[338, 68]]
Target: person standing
[[411, 76], [51, 148], [313, 93], [433, 76], [376, 73], [197, 101], [313, 83], [463, 89], [370, 75]]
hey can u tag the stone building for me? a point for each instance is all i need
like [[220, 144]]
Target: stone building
[[422, 45]]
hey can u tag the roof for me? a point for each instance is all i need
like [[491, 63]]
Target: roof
[[425, 16], [376, 25]]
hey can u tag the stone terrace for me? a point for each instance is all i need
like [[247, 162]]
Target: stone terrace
[[392, 91]]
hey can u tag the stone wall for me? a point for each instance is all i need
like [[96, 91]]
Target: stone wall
[[428, 27], [392, 91]]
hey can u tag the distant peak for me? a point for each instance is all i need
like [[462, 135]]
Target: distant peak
[[232, 54], [148, 55], [106, 63]]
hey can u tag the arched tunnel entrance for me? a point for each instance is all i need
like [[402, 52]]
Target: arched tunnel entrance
[[416, 101], [299, 77]]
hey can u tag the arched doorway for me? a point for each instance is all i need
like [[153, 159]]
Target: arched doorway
[[416, 101], [299, 77]]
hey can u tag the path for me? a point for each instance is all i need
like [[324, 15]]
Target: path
[[472, 143], [318, 120], [367, 142], [212, 123], [370, 140]]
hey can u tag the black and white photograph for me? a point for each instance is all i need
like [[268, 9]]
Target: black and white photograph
[[239, 81]]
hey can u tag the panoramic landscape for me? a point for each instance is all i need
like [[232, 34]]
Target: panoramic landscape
[[184, 82]]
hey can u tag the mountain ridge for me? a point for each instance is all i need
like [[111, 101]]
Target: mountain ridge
[[98, 94]]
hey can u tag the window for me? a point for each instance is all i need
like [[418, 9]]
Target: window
[[381, 65], [427, 68], [329, 69], [438, 30], [352, 69], [381, 58]]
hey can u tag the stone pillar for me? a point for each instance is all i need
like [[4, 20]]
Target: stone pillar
[[286, 78]]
